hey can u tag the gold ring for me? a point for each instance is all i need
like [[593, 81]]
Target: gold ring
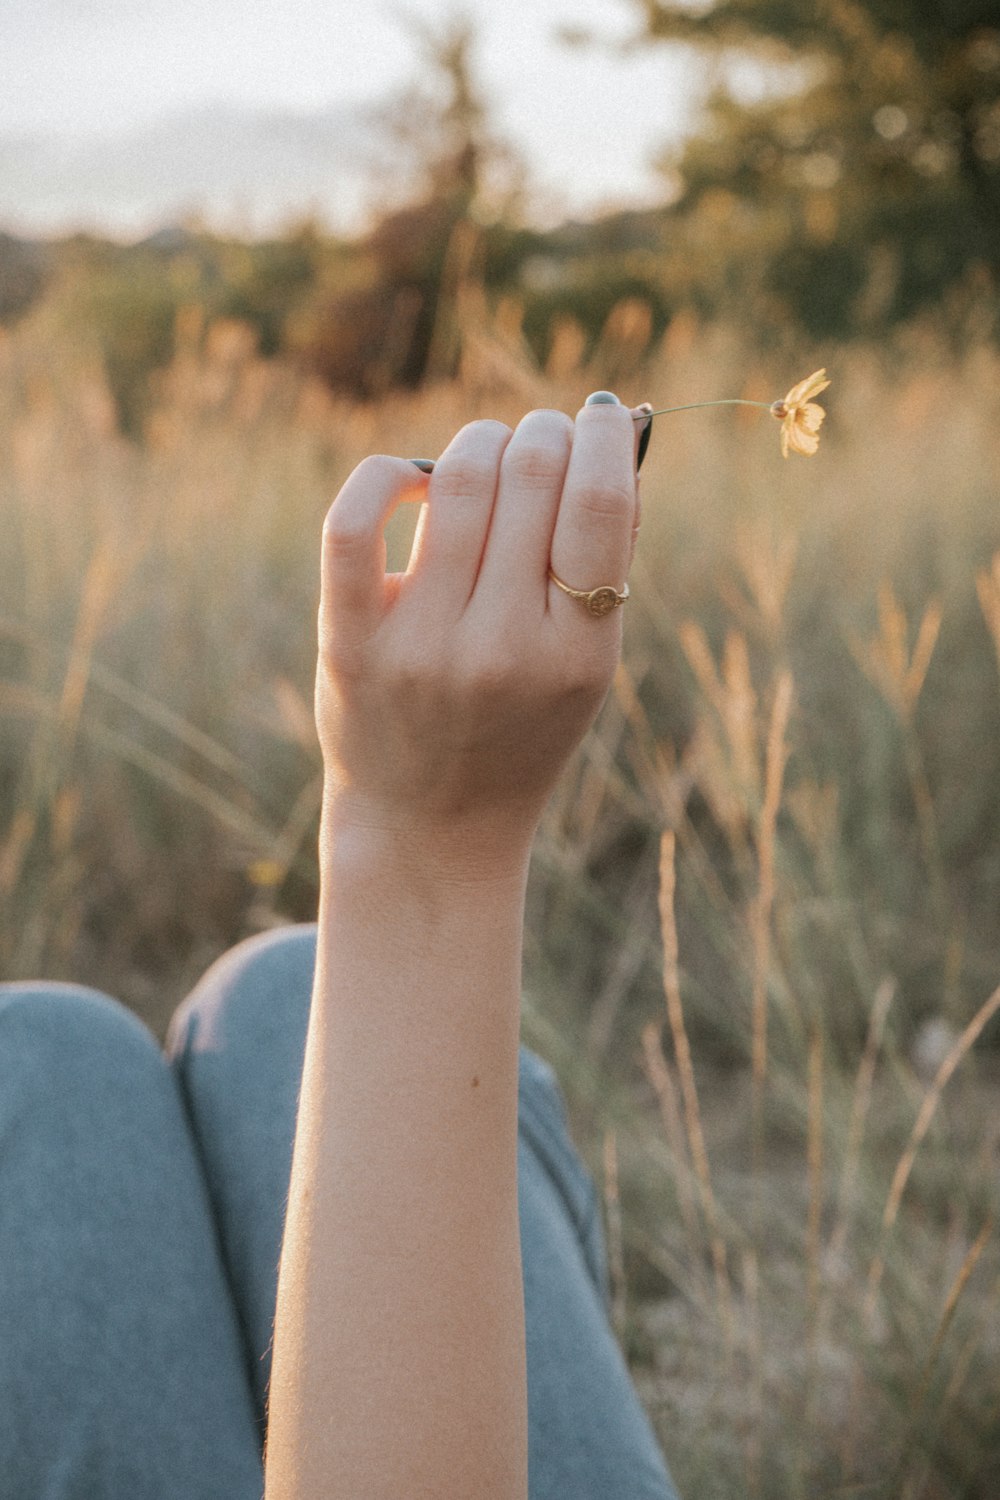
[[599, 601]]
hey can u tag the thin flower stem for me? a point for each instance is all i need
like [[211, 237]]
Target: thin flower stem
[[694, 405]]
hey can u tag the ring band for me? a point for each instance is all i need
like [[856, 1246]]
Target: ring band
[[599, 601]]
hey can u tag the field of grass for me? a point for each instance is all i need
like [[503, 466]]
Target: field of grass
[[764, 915]]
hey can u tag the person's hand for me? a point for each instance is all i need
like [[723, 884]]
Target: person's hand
[[450, 697]]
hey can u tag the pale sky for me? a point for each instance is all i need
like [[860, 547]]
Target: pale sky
[[586, 121]]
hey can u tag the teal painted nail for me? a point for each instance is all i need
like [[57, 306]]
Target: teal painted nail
[[425, 465], [602, 398]]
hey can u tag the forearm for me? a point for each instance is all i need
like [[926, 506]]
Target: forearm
[[399, 1366], [448, 699]]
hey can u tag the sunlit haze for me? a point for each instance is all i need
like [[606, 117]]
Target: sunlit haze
[[122, 114]]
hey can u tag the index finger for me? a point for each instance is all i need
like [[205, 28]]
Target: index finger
[[352, 593]]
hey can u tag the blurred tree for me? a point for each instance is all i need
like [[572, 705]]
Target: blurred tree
[[266, 282], [861, 183], [121, 295], [24, 272], [446, 181]]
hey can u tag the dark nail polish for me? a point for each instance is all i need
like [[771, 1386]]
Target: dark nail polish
[[602, 398], [425, 465], [644, 438]]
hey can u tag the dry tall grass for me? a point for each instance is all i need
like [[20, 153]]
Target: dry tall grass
[[764, 917]]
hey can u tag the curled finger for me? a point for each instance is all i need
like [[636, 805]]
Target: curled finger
[[353, 588]]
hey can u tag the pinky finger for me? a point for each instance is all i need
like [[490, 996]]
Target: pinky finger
[[353, 586]]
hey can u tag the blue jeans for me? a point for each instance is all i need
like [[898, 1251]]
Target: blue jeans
[[141, 1209]]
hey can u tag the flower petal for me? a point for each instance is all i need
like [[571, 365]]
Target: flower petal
[[811, 386], [810, 417], [803, 442]]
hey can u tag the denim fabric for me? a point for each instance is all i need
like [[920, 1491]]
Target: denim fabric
[[122, 1373], [141, 1213]]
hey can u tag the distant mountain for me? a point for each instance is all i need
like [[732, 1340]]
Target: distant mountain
[[240, 168]]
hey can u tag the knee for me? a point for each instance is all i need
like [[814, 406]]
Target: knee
[[552, 1173], [258, 993], [64, 1040]]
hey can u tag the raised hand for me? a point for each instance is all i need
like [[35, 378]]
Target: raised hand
[[449, 697]]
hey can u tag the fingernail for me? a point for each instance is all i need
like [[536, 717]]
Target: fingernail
[[644, 437], [602, 398], [425, 465]]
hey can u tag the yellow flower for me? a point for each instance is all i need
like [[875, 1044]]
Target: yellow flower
[[800, 418]]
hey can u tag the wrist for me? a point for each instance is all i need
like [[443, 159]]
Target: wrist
[[362, 839], [436, 937]]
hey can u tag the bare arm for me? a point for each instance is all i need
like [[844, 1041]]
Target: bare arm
[[448, 700]]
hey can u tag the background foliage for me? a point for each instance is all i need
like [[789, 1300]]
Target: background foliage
[[866, 186]]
